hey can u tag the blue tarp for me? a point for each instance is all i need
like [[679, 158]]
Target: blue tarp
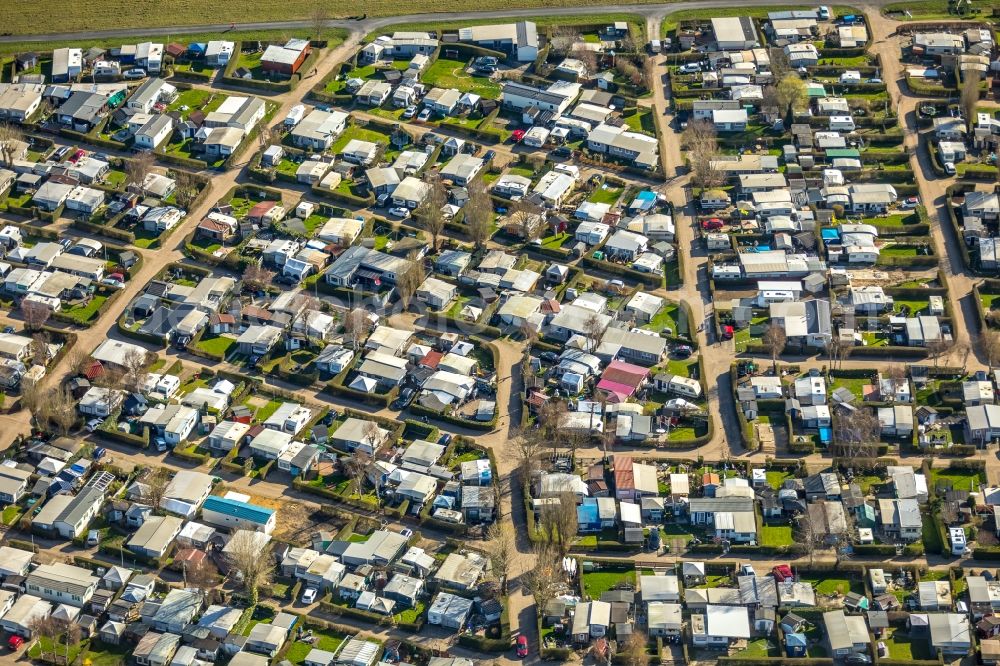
[[824, 435]]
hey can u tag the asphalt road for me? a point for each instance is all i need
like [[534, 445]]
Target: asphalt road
[[651, 11]]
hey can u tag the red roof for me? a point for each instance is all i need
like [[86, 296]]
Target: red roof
[[191, 556], [262, 209], [431, 359], [624, 476], [550, 305], [710, 478], [627, 374], [208, 224], [94, 370], [224, 318], [254, 431]]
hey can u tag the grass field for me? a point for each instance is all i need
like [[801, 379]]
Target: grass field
[[360, 133], [671, 22], [83, 313], [935, 9], [776, 535], [49, 16], [447, 73], [642, 121], [596, 582]]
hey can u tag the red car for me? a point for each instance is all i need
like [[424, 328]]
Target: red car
[[77, 155], [517, 135], [727, 332], [522, 646], [15, 642], [782, 572], [712, 224]]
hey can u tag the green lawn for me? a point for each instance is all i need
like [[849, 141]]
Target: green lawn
[[219, 344], [11, 514], [44, 644], [361, 133], [596, 582], [829, 586], [264, 413], [447, 73], [897, 250], [641, 121], [902, 646], [775, 478], [989, 301], [853, 384], [776, 535], [760, 648], [83, 313], [960, 479], [410, 615], [196, 99], [665, 318], [606, 194], [325, 640], [682, 367]]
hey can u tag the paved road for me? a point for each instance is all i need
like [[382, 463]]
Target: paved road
[[653, 12]]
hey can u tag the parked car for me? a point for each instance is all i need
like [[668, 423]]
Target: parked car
[[910, 203], [93, 424], [517, 135], [400, 212], [406, 532], [309, 596], [8, 329], [858, 659], [682, 351], [424, 116], [522, 646], [690, 68], [562, 151], [404, 399], [444, 439], [409, 112], [712, 224], [549, 356], [60, 153], [949, 168], [15, 642], [77, 156], [134, 73], [93, 538]]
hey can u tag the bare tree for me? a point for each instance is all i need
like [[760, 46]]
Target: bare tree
[[839, 349], [256, 277], [186, 186], [356, 467], [938, 348], [969, 96], [527, 447], [155, 487], [478, 213], [628, 70], [308, 309], [635, 651], [702, 144], [372, 434], [356, 326], [135, 363], [502, 549], [10, 137], [138, 167], [409, 281], [894, 375], [587, 58], [265, 135], [254, 566], [44, 628], [808, 535], [989, 340], [593, 329], [202, 575], [774, 340], [564, 38], [110, 380], [36, 402], [35, 314], [779, 63], [39, 349], [550, 417], [560, 522], [319, 19], [61, 410], [854, 434], [430, 214], [543, 579]]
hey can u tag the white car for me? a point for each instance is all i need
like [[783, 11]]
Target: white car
[[424, 116], [93, 424], [309, 596], [949, 168], [400, 212], [136, 73], [689, 68], [409, 112]]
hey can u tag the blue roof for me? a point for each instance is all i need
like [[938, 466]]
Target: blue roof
[[237, 509], [587, 513], [824, 435], [197, 47], [646, 195], [796, 640]]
